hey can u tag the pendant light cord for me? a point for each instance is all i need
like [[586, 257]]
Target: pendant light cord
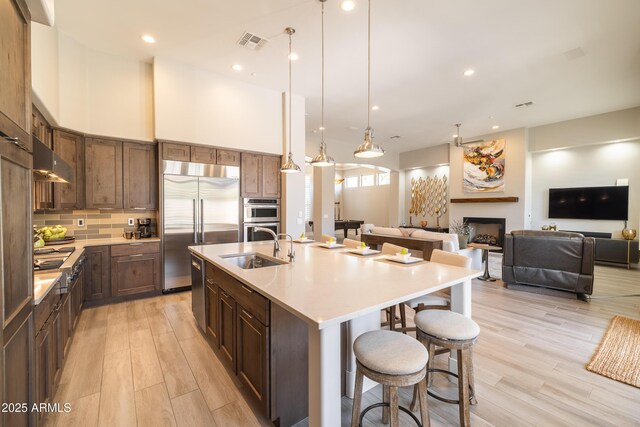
[[290, 94], [369, 68], [322, 101]]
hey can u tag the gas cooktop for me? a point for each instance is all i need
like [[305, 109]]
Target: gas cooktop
[[50, 258]]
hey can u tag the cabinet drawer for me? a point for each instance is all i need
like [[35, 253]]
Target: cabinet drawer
[[252, 301], [228, 158], [46, 306], [135, 249], [177, 152], [203, 154]]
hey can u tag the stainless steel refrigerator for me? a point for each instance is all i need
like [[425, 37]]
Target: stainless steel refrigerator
[[200, 206]]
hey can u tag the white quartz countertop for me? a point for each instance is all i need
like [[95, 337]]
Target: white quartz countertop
[[329, 286], [43, 281], [42, 284]]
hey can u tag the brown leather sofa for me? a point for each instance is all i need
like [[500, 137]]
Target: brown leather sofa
[[551, 259]]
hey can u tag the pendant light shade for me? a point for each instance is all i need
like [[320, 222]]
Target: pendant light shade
[[368, 149], [290, 166], [322, 159]]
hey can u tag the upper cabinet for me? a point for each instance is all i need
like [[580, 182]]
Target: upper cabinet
[[15, 72], [140, 175], [70, 147], [251, 180], [260, 175], [179, 152], [271, 176], [227, 157], [121, 174], [103, 174], [200, 154]]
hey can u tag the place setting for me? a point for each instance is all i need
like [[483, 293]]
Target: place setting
[[362, 250], [402, 257], [303, 239]]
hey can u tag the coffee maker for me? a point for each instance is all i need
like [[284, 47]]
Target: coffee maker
[[144, 227]]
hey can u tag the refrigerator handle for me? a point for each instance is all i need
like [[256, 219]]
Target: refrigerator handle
[[202, 221], [195, 222]]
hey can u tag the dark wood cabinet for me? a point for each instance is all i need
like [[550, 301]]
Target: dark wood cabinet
[[103, 174], [140, 175], [65, 322], [202, 154], [212, 304], [271, 176], [179, 152], [15, 71], [253, 355], [135, 274], [98, 273], [228, 157], [44, 366], [17, 371], [227, 329], [57, 343], [42, 190], [251, 175], [70, 147]]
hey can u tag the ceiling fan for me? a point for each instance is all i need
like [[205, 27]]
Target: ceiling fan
[[457, 140]]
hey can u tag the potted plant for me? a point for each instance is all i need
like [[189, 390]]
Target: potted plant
[[462, 229]]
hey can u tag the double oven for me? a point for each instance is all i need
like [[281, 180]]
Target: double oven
[[260, 212]]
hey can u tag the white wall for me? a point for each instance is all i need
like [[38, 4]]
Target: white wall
[[198, 106], [595, 166], [515, 183], [103, 94], [44, 70], [423, 173], [370, 204]]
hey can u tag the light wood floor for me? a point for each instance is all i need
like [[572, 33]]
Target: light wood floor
[[144, 363]]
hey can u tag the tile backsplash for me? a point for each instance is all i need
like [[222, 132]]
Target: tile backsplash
[[98, 224]]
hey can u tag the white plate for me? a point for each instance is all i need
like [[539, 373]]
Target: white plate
[[305, 240], [402, 260], [360, 252], [337, 245]]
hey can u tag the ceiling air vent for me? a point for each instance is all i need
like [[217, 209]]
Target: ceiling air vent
[[525, 104], [251, 41]]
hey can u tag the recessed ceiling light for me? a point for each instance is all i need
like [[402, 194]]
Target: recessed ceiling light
[[254, 74], [348, 5], [294, 56], [455, 135], [375, 108], [148, 38], [469, 72], [321, 128], [236, 67], [495, 127]]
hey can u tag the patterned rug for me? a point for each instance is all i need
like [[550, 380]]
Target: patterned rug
[[618, 356]]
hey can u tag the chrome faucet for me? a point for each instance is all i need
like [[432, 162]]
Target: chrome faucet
[[291, 254], [276, 245]]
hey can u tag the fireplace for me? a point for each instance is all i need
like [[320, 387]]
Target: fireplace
[[486, 230]]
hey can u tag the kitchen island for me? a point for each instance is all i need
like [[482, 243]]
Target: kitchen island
[[327, 287]]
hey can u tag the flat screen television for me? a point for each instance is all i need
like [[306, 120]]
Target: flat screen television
[[589, 203]]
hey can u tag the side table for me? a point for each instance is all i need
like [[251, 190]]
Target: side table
[[485, 257]]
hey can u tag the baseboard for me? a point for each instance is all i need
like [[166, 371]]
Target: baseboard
[[542, 291]]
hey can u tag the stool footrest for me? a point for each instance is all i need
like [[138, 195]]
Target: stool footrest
[[382, 404], [444, 399]]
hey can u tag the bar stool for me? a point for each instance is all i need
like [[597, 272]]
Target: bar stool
[[451, 331], [393, 360]]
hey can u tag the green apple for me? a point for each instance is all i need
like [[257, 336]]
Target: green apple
[[332, 239], [363, 245], [302, 235], [404, 251]]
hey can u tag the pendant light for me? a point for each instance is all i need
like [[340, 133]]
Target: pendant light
[[290, 166], [368, 149], [322, 159]]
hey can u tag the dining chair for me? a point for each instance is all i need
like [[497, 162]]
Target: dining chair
[[350, 243], [391, 249]]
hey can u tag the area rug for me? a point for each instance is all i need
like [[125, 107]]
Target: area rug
[[618, 356]]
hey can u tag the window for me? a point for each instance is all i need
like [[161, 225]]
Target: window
[[383, 179], [368, 180], [352, 181]]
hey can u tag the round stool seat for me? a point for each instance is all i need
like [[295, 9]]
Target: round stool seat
[[446, 324], [391, 353], [427, 300]]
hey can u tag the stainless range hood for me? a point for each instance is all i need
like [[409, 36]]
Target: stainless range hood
[[48, 166]]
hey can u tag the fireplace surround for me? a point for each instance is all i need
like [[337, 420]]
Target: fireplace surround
[[486, 230]]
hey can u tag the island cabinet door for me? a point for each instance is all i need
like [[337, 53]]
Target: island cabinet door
[[253, 356], [212, 303], [227, 329]]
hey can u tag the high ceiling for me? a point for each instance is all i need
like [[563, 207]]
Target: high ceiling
[[572, 58]]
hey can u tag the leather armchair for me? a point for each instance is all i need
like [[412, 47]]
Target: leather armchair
[[551, 259]]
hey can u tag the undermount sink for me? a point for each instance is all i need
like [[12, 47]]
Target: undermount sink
[[248, 261]]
